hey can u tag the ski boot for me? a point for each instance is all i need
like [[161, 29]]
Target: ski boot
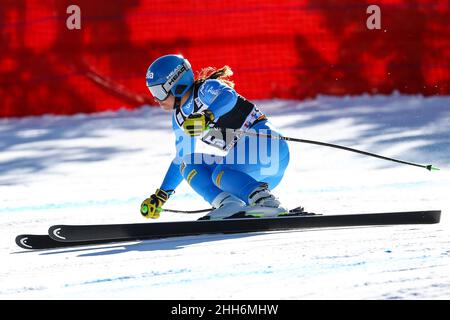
[[262, 201], [226, 205]]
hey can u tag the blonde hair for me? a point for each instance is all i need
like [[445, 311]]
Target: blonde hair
[[221, 74]]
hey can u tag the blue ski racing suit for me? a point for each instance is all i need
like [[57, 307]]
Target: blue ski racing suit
[[248, 159]]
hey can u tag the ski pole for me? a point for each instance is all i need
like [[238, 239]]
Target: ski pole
[[186, 211], [182, 211], [278, 137]]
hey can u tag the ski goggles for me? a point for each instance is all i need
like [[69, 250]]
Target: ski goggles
[[159, 92], [162, 91]]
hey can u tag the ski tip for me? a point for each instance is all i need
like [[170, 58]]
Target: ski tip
[[55, 233], [430, 167], [21, 241]]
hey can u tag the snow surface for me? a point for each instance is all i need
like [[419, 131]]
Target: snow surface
[[92, 169]]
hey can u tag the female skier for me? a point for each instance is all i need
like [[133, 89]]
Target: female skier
[[237, 184]]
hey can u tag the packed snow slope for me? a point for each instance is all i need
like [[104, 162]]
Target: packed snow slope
[[93, 169]]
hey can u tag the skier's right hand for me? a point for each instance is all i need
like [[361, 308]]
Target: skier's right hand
[[151, 207]]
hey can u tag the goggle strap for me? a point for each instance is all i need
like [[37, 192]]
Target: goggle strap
[[166, 85]]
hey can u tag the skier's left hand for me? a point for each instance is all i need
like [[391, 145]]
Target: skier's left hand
[[196, 123], [151, 207]]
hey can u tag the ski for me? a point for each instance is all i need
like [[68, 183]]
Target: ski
[[141, 231], [43, 241], [35, 241]]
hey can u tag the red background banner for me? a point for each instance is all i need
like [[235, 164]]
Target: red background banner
[[277, 49]]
